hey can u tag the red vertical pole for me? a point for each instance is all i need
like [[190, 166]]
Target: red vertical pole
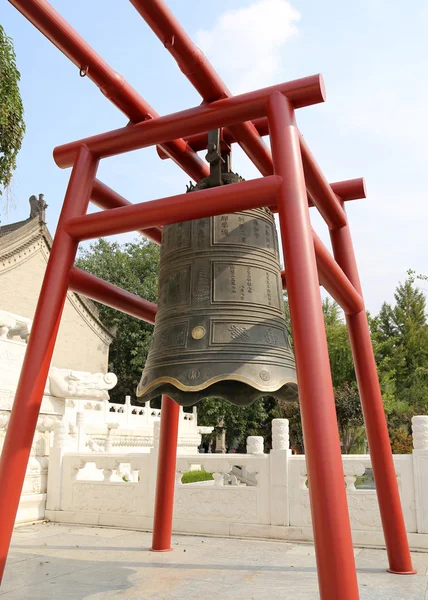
[[165, 480], [29, 393], [332, 532], [391, 512]]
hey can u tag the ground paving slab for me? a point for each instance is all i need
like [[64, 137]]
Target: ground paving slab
[[49, 561]]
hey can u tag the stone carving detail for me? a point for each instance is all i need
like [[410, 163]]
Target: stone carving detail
[[223, 504], [60, 434], [38, 207], [363, 510], [351, 470], [76, 464], [35, 481], [219, 468], [255, 444], [107, 465], [4, 420], [99, 498], [219, 465], [7, 322], [46, 423], [420, 432], [65, 383], [280, 434]]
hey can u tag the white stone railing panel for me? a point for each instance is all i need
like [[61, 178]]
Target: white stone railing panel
[[110, 483], [362, 503], [224, 499]]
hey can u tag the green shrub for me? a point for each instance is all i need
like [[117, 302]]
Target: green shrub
[[193, 476]]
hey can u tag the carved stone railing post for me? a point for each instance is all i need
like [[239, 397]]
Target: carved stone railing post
[[81, 437], [219, 468], [108, 445], [255, 444], [76, 464], [420, 432], [279, 500], [420, 470], [352, 470], [280, 434], [107, 465]]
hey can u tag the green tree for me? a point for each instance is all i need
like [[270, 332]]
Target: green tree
[[339, 349], [349, 417], [400, 335], [347, 400], [12, 126], [238, 421], [133, 267]]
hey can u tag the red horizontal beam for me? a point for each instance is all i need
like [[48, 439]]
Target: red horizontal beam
[[175, 209], [201, 74], [351, 189], [114, 87], [106, 198], [106, 293], [229, 111]]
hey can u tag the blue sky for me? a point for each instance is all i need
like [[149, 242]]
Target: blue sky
[[373, 55]]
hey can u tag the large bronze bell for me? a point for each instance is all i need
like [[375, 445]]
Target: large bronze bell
[[220, 328]]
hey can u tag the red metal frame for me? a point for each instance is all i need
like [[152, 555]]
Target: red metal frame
[[291, 182]]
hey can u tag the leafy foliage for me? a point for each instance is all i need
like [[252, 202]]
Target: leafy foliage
[[134, 267], [12, 126], [239, 422], [349, 416]]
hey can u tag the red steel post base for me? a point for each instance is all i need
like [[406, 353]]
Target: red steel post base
[[29, 393], [165, 480], [332, 531]]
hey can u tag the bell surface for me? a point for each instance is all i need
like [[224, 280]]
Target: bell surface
[[220, 329]]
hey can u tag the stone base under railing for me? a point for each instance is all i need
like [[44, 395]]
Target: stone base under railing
[[360, 538], [31, 508]]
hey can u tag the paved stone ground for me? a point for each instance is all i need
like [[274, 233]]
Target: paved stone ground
[[65, 562]]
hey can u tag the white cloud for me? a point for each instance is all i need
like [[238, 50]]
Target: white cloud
[[244, 45]]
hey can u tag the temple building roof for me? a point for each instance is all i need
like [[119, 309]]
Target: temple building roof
[[22, 241]]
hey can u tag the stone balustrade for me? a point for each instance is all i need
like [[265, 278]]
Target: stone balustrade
[[256, 494]]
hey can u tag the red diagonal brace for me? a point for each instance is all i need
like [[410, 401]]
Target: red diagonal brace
[[106, 198], [112, 85], [101, 291], [201, 74]]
